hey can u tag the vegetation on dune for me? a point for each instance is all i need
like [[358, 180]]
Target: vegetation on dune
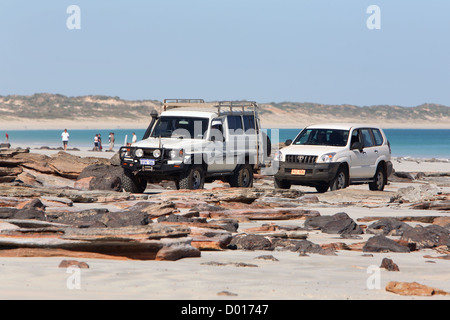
[[57, 106]]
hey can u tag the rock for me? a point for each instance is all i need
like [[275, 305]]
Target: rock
[[100, 218], [382, 244], [388, 226], [432, 205], [416, 193], [71, 166], [154, 210], [8, 171], [301, 246], [228, 224], [267, 257], [176, 252], [250, 242], [389, 265], [227, 294], [29, 213], [7, 179], [413, 289], [100, 177], [34, 203], [339, 223], [38, 162], [264, 214], [427, 237], [73, 263], [443, 222]]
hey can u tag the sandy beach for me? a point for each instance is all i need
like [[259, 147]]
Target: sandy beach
[[243, 274], [274, 121]]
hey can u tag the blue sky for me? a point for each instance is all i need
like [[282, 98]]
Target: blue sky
[[269, 51]]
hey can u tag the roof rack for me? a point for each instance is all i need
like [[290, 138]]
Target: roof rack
[[200, 103], [237, 104]]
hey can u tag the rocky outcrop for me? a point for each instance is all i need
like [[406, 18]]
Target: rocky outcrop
[[340, 223], [382, 244]]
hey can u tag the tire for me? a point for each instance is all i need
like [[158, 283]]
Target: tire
[[322, 188], [242, 177], [133, 183], [281, 184], [340, 181], [379, 180], [192, 179]]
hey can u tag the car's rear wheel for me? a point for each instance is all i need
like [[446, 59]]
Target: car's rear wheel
[[242, 177], [193, 179], [379, 180]]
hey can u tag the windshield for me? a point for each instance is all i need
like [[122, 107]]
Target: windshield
[[180, 127], [322, 137]]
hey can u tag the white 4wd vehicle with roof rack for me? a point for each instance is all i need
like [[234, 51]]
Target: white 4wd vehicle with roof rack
[[335, 156], [192, 142]]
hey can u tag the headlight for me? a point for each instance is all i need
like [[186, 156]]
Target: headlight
[[327, 157], [175, 154], [157, 153], [278, 156], [139, 153]]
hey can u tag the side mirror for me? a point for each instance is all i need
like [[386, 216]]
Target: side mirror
[[288, 142], [357, 146]]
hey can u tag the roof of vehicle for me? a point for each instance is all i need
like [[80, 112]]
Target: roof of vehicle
[[190, 112], [190, 106], [203, 112], [341, 126]]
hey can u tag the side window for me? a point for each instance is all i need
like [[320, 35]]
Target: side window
[[378, 137], [355, 137], [249, 123], [366, 138], [234, 124]]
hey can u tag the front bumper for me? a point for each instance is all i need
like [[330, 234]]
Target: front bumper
[[307, 174], [157, 167]]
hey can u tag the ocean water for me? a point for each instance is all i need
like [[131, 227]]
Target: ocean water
[[420, 143]]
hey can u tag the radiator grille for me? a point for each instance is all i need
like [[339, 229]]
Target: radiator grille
[[300, 159]]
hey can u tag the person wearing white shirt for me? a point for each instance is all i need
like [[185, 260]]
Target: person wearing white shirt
[[65, 138]]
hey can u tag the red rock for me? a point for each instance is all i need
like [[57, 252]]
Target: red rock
[[176, 252], [73, 263], [413, 289]]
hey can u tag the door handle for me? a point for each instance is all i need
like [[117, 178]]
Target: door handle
[[376, 151]]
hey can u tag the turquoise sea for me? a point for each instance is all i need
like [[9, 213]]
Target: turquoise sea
[[421, 143]]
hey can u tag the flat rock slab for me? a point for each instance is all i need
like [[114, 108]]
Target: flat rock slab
[[413, 289], [264, 214]]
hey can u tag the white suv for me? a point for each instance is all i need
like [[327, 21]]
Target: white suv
[[335, 156], [192, 142]]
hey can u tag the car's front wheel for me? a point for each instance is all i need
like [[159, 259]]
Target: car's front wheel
[[340, 180], [133, 183], [281, 184]]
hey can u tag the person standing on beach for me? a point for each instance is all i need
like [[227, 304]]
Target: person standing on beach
[[65, 139], [100, 147], [96, 143], [134, 139], [111, 141], [7, 138]]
